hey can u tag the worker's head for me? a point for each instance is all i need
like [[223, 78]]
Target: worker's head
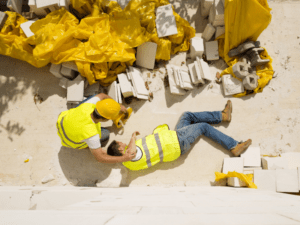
[[107, 108], [116, 148]]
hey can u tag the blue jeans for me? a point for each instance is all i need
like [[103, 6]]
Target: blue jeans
[[104, 131], [192, 125]]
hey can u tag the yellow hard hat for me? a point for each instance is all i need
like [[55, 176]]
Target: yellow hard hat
[[108, 108]]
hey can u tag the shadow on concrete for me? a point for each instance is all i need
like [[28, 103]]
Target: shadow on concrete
[[12, 128], [81, 168]]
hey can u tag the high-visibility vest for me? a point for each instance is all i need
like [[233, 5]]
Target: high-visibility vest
[[161, 146], [76, 124]]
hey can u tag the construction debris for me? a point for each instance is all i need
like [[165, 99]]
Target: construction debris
[[55, 70], [15, 5], [71, 65], [232, 86], [165, 21], [3, 18], [26, 28], [75, 90], [47, 179], [126, 87], [208, 33], [145, 56], [212, 50], [250, 82], [216, 14], [205, 7], [196, 47], [68, 73], [219, 31]]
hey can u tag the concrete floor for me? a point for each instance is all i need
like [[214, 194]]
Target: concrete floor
[[270, 119]]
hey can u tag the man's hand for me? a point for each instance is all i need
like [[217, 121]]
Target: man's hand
[[124, 110], [129, 155], [135, 133]]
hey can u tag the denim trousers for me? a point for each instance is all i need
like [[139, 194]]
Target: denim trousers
[[104, 131], [193, 125]]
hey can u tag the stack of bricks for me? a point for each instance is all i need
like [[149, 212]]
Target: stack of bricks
[[281, 174]]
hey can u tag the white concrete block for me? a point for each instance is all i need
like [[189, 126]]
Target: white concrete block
[[233, 164], [165, 21], [174, 89], [71, 65], [67, 72], [3, 18], [112, 91], [185, 80], [55, 70], [287, 180], [293, 159], [205, 69], [208, 32], [125, 85], [46, 3], [193, 73], [298, 177], [196, 47], [26, 28], [219, 31], [219, 9], [265, 180], [231, 85], [119, 94], [212, 50], [15, 5], [137, 81], [205, 7], [75, 89], [252, 157], [252, 168], [199, 72], [91, 89], [145, 56], [273, 163], [235, 182], [63, 82]]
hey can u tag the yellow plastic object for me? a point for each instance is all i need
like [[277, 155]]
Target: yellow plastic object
[[247, 178], [108, 108], [244, 21], [102, 44], [120, 121], [27, 160]]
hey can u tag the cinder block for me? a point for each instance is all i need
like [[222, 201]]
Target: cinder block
[[67, 72], [184, 79], [193, 73], [55, 70], [145, 56], [71, 65], [233, 164], [287, 180], [165, 21], [174, 89], [125, 85], [3, 18], [273, 163], [205, 69], [91, 90], [15, 5], [137, 81], [63, 82], [26, 28], [216, 14], [231, 85], [212, 50], [241, 69], [250, 82], [75, 89], [292, 158], [219, 31], [208, 32], [265, 180], [235, 182], [252, 157], [112, 91], [196, 47], [205, 7]]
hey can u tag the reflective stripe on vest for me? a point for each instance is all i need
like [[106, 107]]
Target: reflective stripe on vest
[[161, 153], [147, 153], [65, 135]]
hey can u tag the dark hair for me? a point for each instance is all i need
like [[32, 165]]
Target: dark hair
[[113, 149], [97, 115]]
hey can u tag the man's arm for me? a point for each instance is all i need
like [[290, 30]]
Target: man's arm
[[132, 146], [102, 157]]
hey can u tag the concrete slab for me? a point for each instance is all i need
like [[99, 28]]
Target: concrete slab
[[265, 180], [287, 180], [252, 157]]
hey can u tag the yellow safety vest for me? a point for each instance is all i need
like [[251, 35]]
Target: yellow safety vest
[[161, 146], [76, 124]]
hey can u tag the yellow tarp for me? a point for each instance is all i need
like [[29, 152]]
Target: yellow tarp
[[102, 44], [247, 178], [244, 21]]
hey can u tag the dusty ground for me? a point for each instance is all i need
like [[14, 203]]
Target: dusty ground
[[270, 118]]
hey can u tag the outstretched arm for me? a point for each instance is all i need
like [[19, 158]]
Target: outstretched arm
[[132, 146], [102, 157]]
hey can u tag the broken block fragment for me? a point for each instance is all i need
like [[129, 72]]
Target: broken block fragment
[[194, 73], [138, 83], [67, 72], [145, 56], [184, 79], [174, 89], [208, 32], [26, 28], [165, 21], [205, 71], [55, 70], [212, 50], [287, 180], [231, 86], [196, 47]]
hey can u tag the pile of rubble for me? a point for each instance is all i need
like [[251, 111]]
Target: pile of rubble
[[281, 174]]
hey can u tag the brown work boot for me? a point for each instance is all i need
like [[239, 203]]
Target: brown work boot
[[241, 147], [226, 113]]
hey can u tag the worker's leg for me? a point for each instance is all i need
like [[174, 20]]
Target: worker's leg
[[189, 118], [189, 134], [104, 136]]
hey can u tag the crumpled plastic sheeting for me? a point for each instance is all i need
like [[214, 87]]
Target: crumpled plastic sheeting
[[101, 44], [244, 21], [247, 178]]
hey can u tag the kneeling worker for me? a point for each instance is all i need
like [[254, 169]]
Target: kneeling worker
[[165, 145], [80, 127]]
